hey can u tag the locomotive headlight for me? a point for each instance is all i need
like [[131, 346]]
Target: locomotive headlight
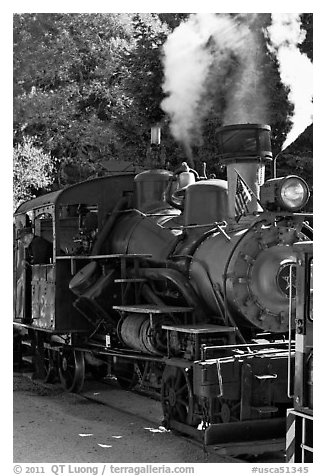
[[294, 193], [286, 193]]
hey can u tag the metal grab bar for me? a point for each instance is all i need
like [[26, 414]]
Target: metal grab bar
[[220, 381], [290, 395]]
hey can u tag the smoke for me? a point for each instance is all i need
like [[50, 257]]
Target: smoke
[[213, 64], [246, 99], [212, 56], [186, 64], [295, 69]]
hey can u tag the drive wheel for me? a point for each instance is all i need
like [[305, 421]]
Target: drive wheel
[[49, 365], [177, 397], [72, 370], [44, 358]]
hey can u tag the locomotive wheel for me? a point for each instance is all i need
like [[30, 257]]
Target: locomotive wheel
[[177, 397], [44, 361], [72, 370], [17, 347], [229, 411], [49, 364]]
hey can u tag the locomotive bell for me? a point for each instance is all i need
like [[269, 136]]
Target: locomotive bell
[[245, 149]]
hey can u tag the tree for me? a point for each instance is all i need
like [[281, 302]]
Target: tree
[[87, 85], [307, 44], [173, 19], [67, 83], [33, 170]]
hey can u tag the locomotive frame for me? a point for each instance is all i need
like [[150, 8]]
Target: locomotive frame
[[135, 300], [299, 435]]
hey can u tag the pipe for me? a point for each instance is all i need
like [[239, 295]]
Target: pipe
[[104, 233], [178, 279], [151, 296]]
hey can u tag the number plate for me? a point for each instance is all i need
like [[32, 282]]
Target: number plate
[[107, 340]]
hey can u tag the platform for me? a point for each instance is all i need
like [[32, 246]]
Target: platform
[[152, 309], [199, 328]]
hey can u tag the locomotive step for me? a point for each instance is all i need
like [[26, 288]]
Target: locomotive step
[[130, 280], [263, 410], [199, 328], [28, 358], [28, 343], [152, 309], [266, 377]]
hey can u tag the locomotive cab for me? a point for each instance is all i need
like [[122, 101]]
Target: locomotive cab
[[69, 219]]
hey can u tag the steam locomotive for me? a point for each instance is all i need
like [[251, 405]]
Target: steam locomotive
[[172, 282]]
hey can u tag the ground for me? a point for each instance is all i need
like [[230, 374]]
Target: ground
[[50, 425]]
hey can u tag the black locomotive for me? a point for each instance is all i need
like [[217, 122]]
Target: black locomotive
[[174, 283]]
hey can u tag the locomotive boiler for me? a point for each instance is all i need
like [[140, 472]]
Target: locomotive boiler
[[181, 287], [243, 266]]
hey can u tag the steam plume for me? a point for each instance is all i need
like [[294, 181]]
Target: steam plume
[[214, 63], [198, 56], [186, 62], [295, 69]]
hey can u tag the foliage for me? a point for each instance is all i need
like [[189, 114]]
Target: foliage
[[298, 159], [77, 84], [33, 170], [173, 19], [66, 80], [144, 66], [307, 25]]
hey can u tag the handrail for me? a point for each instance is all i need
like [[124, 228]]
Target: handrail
[[219, 376], [290, 395], [108, 256]]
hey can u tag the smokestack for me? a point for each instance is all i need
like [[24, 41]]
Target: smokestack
[[245, 148]]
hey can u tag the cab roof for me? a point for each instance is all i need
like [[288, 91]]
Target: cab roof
[[93, 190]]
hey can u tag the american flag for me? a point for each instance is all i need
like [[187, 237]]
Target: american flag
[[242, 197]]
